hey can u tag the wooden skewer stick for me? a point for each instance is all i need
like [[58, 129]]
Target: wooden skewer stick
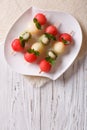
[[57, 24], [13, 52], [72, 33], [40, 72]]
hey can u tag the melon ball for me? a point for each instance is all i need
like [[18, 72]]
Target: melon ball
[[32, 28], [59, 47], [38, 46]]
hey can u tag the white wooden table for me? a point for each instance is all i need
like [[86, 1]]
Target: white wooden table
[[60, 104]]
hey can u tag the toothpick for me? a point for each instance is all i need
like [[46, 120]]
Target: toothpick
[[72, 33], [13, 52], [40, 71]]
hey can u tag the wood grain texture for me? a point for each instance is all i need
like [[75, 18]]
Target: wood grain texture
[[58, 105]]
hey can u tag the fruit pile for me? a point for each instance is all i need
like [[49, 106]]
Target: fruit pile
[[46, 35]]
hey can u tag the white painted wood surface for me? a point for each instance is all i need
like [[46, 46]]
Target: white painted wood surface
[[60, 104]]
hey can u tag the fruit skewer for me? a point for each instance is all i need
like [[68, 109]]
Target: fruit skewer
[[57, 49], [37, 24], [38, 21]]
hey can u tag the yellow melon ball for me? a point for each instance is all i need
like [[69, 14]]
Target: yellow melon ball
[[59, 47], [32, 28], [38, 46]]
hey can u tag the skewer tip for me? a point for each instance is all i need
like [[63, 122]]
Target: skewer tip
[[72, 33], [13, 52], [40, 71]]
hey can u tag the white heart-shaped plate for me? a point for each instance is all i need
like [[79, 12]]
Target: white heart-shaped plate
[[68, 24]]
